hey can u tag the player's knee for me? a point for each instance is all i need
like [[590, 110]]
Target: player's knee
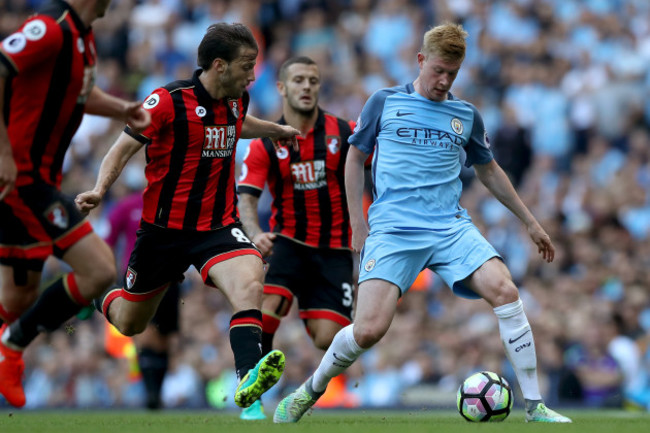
[[129, 328], [367, 335], [103, 277], [504, 293]]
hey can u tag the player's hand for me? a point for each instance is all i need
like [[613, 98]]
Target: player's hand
[[288, 137], [87, 201], [137, 117], [8, 174], [543, 241], [359, 235], [264, 242]]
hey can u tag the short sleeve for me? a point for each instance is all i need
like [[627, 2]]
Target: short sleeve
[[38, 41], [367, 126], [478, 146], [159, 104], [254, 170]]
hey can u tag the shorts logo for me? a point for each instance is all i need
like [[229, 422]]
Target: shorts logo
[[130, 278], [57, 216], [369, 266], [200, 111], [234, 107], [14, 43], [34, 30], [457, 125], [151, 101], [333, 143]]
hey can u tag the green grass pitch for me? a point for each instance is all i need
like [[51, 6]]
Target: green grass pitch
[[320, 421]]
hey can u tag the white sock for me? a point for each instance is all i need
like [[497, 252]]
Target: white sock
[[518, 341], [343, 351]]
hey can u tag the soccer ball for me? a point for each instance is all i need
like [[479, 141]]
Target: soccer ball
[[483, 397]]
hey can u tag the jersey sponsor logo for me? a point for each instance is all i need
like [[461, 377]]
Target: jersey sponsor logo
[[131, 275], [282, 153], [219, 141], [14, 43], [308, 175], [81, 46], [200, 111], [34, 30], [370, 264], [57, 215], [429, 136], [333, 143], [486, 139], [234, 107], [457, 125], [151, 101]]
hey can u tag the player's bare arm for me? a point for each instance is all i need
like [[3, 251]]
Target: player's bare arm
[[497, 182], [354, 179], [282, 134], [8, 169], [131, 112], [249, 218], [112, 165]]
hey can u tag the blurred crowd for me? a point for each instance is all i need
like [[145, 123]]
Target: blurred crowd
[[564, 88]]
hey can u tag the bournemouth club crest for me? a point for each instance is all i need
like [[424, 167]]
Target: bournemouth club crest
[[333, 143], [234, 107], [57, 215]]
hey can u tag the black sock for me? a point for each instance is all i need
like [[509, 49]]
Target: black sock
[[153, 366], [50, 311], [267, 342], [246, 340]]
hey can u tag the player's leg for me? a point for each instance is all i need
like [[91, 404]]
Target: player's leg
[[276, 303], [327, 298], [15, 280], [240, 279], [153, 345], [18, 290], [492, 281], [375, 310]]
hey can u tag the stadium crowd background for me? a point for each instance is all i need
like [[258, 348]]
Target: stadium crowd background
[[564, 88]]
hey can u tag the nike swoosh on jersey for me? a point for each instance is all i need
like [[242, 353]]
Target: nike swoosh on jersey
[[401, 113]]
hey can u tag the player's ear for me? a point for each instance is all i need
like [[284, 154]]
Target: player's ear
[[281, 87], [219, 65]]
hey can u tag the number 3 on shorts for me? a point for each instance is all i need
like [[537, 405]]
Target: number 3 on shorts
[[240, 236]]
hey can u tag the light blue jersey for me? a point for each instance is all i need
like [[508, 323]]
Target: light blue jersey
[[417, 148]]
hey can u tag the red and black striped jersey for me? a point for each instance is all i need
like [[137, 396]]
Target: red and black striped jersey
[[190, 151], [309, 201], [51, 60]]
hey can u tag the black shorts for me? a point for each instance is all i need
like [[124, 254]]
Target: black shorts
[[161, 256], [166, 317], [37, 221], [320, 278]]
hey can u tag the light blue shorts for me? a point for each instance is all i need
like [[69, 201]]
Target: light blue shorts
[[399, 256]]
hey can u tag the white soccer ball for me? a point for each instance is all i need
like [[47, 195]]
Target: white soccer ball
[[484, 396]]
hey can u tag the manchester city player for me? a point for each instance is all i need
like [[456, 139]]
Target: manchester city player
[[416, 132]]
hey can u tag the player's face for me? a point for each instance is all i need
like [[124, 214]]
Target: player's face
[[437, 76], [300, 90], [239, 73]]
